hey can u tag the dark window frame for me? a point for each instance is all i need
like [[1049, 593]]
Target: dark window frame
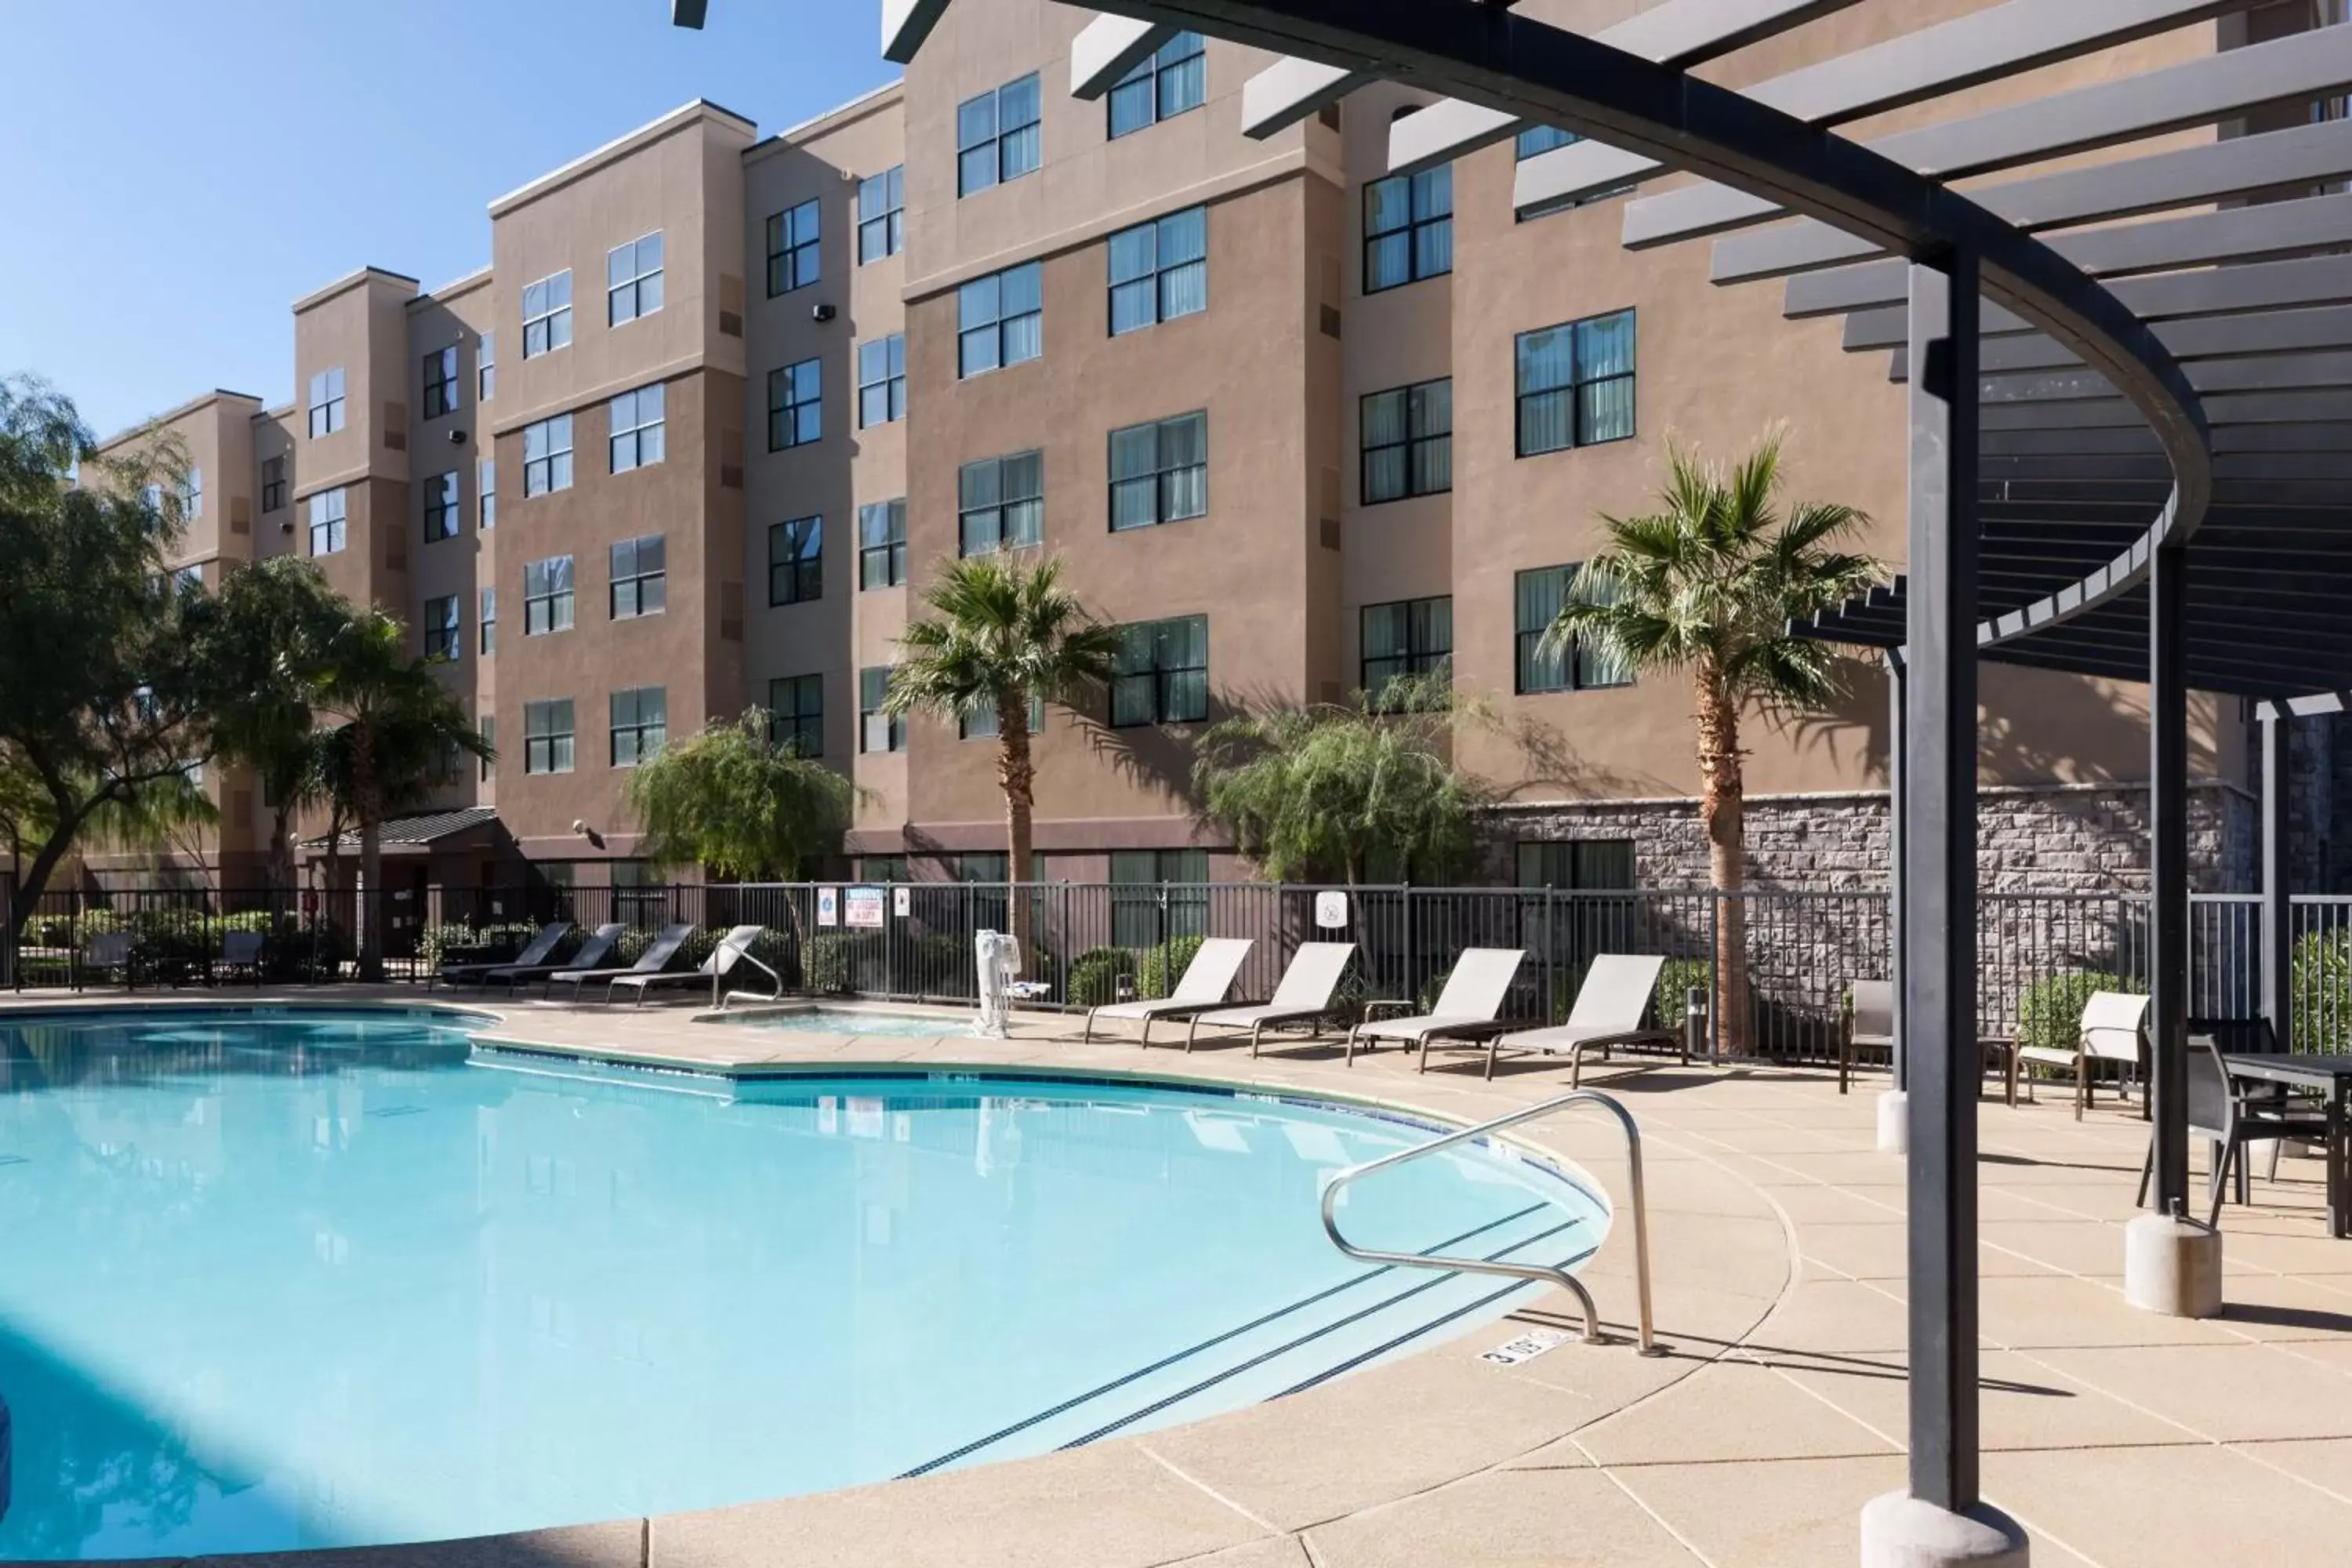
[[1003, 144], [1575, 390], [646, 587], [882, 223], [540, 615], [795, 255], [542, 741], [797, 419], [801, 731], [1178, 71], [444, 628], [891, 384], [440, 398], [888, 552], [273, 484], [641, 282], [1163, 472], [1575, 865], [646, 725], [487, 615], [1579, 669], [798, 577], [1162, 277], [443, 517], [553, 318], [1421, 446], [1156, 679], [1419, 228], [1421, 654], [1000, 502], [893, 727], [998, 326], [541, 474]]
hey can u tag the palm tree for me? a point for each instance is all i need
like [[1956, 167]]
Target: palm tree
[[400, 730], [1003, 636], [1707, 587]]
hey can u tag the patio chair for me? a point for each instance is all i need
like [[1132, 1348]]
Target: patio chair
[[733, 948], [2114, 1029], [592, 952], [1203, 986], [1468, 1009], [241, 950], [2229, 1115], [1303, 996], [1610, 1006], [653, 960], [538, 951], [106, 952], [1869, 1026]]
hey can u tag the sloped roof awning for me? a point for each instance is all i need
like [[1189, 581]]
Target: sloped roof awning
[[424, 832]]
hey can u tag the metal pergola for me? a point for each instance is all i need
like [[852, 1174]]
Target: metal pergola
[[2130, 390]]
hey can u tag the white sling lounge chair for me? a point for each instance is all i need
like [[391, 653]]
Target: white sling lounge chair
[[1610, 1006], [733, 948], [653, 960], [1205, 981], [1468, 1006], [1303, 997]]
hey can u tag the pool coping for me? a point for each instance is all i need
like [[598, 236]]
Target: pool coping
[[1547, 1399]]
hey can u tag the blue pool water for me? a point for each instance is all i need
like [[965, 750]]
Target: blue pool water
[[315, 1279]]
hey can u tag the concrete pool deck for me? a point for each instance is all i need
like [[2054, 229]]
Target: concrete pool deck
[[2119, 1438]]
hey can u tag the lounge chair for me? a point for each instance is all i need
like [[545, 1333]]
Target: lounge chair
[[2230, 1114], [1608, 1010], [2114, 1029], [733, 948], [106, 952], [538, 951], [653, 960], [592, 952], [1468, 1009], [241, 950], [1203, 986], [1303, 996], [1869, 1026]]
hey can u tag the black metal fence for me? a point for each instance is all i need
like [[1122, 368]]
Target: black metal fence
[[1092, 942]]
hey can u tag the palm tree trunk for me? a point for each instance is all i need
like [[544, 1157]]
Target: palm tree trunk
[[370, 815], [1018, 775], [1722, 805]]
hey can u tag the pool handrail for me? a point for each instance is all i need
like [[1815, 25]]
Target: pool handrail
[[1559, 1277]]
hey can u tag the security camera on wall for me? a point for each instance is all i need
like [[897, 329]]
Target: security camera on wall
[[821, 313]]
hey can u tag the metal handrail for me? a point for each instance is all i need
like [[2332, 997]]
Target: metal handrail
[[1559, 1277], [720, 996]]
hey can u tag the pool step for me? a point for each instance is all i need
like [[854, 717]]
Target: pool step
[[1358, 1320]]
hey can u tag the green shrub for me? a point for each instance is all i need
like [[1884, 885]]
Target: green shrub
[[837, 960], [1678, 977], [2049, 1013], [1163, 965], [2323, 990], [1095, 975]]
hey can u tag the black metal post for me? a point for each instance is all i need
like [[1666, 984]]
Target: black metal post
[[1898, 740], [2278, 929], [2168, 827], [1939, 882]]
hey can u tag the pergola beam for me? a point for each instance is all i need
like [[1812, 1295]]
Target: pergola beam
[[1107, 47]]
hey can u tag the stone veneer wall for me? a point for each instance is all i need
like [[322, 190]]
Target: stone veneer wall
[[2042, 839]]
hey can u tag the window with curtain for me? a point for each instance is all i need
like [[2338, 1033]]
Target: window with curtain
[[877, 731], [1156, 894], [1160, 675], [1538, 140], [1408, 442], [444, 637], [489, 616], [1169, 82], [1000, 320], [1000, 503], [1406, 637], [547, 314], [796, 560], [640, 724], [1160, 472], [639, 427], [1407, 228], [996, 136], [547, 596], [547, 736], [882, 214], [546, 456], [640, 578], [882, 545], [1536, 597], [329, 509], [1576, 384], [1159, 270], [882, 380], [978, 722]]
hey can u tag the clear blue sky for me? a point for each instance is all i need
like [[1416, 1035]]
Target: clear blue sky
[[154, 239]]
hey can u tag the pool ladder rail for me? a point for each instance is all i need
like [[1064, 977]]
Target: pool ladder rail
[[1341, 1179]]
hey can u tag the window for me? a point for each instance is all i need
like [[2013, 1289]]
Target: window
[[1160, 472], [1000, 503], [633, 280], [441, 381], [485, 368], [877, 731], [1000, 320], [186, 577], [640, 578], [443, 635], [637, 426], [547, 596], [1161, 674], [485, 493], [882, 215], [882, 869], [1595, 863], [796, 560], [487, 727], [1576, 384], [795, 405], [547, 314], [1536, 597], [1162, 87], [1408, 441], [327, 509], [1410, 637], [547, 736], [326, 403], [882, 545], [489, 616], [996, 136], [793, 253], [882, 380], [1537, 140], [640, 724], [1156, 894], [1160, 271], [273, 484], [978, 722], [1407, 228], [796, 704], [192, 495], [546, 456], [441, 507]]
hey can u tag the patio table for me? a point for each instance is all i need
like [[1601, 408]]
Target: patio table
[[2333, 1077]]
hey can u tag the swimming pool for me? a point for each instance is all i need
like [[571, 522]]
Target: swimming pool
[[851, 1021], [307, 1278]]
